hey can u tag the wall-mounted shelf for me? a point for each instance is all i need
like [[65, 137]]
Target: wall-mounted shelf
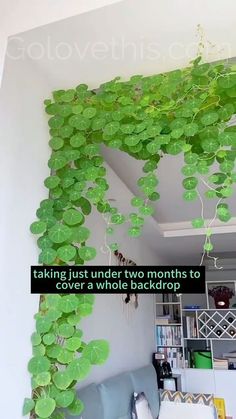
[[169, 346], [168, 304]]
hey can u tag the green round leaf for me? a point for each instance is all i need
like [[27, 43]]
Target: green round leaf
[[209, 118], [77, 140], [190, 158], [134, 232], [190, 195], [43, 325], [65, 398], [59, 233], [76, 408], [68, 303], [146, 210], [79, 122], [35, 339], [56, 143], [96, 352], [39, 350], [65, 330], [111, 128], [62, 379], [210, 145], [52, 182], [44, 407], [191, 129], [227, 166], [153, 147], [43, 378], [189, 170], [57, 161], [174, 148], [28, 406], [198, 223], [137, 202], [85, 309], [227, 81], [87, 253], [56, 121], [72, 217], [38, 364], [89, 112], [49, 339], [47, 256], [38, 227], [66, 253], [79, 368], [72, 344], [65, 356], [208, 247], [190, 183], [81, 234]]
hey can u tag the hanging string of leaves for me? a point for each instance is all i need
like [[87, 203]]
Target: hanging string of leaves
[[184, 111]]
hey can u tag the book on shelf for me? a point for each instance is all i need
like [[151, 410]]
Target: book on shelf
[[190, 327], [220, 364], [165, 320], [162, 320], [230, 355], [174, 356], [168, 335]]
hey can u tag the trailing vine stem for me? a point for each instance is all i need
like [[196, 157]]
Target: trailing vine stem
[[183, 112]]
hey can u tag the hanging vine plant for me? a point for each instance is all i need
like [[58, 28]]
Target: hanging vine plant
[[184, 111]]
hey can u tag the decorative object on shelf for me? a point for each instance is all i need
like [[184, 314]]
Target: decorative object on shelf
[[220, 407], [165, 370], [171, 307], [221, 295], [166, 308], [169, 384], [203, 359], [122, 261], [192, 307]]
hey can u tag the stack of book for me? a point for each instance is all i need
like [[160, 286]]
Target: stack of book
[[163, 319], [173, 356], [220, 364], [168, 335], [231, 358], [191, 327]]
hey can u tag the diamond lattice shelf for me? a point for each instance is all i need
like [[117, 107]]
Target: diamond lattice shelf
[[216, 324]]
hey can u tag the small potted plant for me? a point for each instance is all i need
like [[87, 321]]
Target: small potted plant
[[221, 295]]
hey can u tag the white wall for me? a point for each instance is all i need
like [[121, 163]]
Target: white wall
[[129, 331], [18, 16], [24, 154]]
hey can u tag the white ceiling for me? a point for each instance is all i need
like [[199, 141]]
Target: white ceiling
[[18, 16], [129, 37], [137, 37]]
